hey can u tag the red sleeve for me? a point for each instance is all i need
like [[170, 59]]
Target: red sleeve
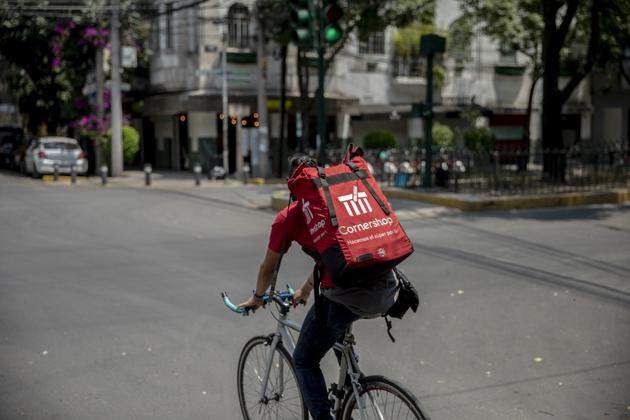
[[278, 238]]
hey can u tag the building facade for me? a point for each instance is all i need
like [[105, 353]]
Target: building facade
[[368, 87]]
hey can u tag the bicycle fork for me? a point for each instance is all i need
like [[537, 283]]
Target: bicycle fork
[[272, 349]]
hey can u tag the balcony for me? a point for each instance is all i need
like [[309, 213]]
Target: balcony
[[408, 70]]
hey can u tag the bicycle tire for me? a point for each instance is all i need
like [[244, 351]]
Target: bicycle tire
[[376, 384], [299, 412]]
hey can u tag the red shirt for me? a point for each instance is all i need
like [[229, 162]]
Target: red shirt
[[288, 227]]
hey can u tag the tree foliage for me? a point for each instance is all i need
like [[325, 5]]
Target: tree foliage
[[379, 139], [442, 135], [45, 86], [49, 59], [479, 139], [130, 144]]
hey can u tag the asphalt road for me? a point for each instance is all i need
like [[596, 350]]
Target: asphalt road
[[110, 309]]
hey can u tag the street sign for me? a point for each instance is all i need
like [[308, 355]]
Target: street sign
[[432, 44]]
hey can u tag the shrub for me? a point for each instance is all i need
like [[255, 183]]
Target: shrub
[[379, 139], [442, 135], [479, 138], [131, 144]]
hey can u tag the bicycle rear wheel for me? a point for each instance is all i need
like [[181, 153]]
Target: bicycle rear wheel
[[283, 399], [384, 399]]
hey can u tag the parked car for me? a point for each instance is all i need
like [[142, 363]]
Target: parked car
[[43, 154], [10, 141]]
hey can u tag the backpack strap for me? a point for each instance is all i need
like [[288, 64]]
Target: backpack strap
[[317, 280], [326, 188], [362, 175], [351, 152], [388, 322]]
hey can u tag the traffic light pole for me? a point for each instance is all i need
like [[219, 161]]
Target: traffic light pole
[[428, 123], [321, 79]]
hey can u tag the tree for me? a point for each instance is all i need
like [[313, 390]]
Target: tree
[[515, 25], [49, 58], [379, 139], [48, 66], [564, 34], [442, 135]]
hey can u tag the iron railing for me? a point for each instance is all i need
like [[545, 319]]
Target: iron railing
[[505, 172]]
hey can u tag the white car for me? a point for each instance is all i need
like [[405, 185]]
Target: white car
[[43, 154]]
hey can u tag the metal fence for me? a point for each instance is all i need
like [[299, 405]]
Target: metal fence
[[505, 172]]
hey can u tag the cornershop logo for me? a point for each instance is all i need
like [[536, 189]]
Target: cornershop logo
[[350, 202], [347, 230], [306, 209]]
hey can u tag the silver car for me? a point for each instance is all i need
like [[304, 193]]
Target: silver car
[[43, 154]]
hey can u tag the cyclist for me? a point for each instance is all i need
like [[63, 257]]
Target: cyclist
[[338, 310]]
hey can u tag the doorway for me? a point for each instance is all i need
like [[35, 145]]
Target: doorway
[[182, 133], [231, 143]]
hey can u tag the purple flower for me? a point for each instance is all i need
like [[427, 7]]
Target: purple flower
[[56, 63], [90, 32]]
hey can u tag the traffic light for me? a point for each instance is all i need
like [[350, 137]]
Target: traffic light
[[332, 15], [302, 23]]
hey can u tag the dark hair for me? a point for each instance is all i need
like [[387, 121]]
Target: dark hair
[[298, 159]]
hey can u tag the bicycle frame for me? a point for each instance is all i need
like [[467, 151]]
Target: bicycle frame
[[348, 363]]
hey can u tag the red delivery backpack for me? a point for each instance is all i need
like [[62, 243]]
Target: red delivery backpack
[[353, 227]]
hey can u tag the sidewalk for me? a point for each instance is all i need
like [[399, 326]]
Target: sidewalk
[[230, 191], [479, 202]]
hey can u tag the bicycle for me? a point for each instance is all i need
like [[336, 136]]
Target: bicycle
[[268, 387]]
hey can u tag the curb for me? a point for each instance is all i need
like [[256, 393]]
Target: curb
[[477, 203], [264, 181], [63, 179], [279, 200]]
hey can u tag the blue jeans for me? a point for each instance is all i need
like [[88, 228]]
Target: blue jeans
[[314, 342]]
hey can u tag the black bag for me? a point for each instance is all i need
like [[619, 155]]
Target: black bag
[[407, 297]]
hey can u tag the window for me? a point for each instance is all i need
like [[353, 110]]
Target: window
[[507, 56], [169, 25], [238, 26], [155, 34], [374, 43]]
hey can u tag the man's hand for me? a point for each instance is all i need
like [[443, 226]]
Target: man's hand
[[252, 302], [301, 295]]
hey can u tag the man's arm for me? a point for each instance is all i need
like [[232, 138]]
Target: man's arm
[[304, 291], [265, 277]]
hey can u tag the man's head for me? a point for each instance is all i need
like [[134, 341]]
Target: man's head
[[298, 159]]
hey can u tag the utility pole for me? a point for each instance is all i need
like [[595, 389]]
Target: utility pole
[[116, 105], [100, 107], [283, 108], [263, 130], [224, 94], [428, 124], [430, 45], [321, 76]]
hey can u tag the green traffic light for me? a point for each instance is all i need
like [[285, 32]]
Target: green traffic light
[[300, 16], [333, 33]]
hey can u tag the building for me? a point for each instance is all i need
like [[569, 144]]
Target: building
[[370, 86]]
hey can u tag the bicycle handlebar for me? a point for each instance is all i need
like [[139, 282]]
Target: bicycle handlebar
[[281, 298]]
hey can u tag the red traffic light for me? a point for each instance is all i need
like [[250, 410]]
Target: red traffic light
[[334, 13]]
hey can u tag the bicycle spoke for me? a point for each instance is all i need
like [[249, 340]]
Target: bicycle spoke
[[283, 399]]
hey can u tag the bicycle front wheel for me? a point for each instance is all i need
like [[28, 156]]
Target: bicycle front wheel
[[283, 399], [383, 399]]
